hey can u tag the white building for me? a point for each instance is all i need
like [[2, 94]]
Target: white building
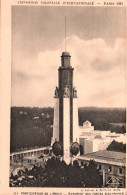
[[94, 140]]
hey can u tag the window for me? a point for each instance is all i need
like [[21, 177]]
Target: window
[[110, 169], [99, 167], [120, 170]]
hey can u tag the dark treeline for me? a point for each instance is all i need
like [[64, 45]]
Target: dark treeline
[[117, 146], [102, 117], [32, 127], [119, 128]]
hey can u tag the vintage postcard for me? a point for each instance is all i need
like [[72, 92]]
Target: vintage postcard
[[63, 97]]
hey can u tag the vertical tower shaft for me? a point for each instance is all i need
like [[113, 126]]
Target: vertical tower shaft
[[65, 84], [65, 128]]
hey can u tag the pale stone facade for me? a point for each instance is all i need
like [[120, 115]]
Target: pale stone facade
[[75, 121], [95, 140], [56, 122], [66, 130]]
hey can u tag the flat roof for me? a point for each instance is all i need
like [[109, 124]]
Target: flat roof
[[105, 156], [30, 150]]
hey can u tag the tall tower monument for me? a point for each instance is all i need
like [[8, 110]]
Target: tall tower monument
[[65, 127]]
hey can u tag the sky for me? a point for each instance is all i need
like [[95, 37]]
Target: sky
[[95, 38]]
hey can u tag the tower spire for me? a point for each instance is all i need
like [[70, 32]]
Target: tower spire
[[65, 33]]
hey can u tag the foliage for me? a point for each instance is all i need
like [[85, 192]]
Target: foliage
[[117, 146], [93, 178], [30, 127], [102, 117], [118, 128], [62, 175], [58, 174]]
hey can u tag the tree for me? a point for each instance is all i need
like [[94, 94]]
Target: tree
[[58, 174], [117, 146], [93, 175]]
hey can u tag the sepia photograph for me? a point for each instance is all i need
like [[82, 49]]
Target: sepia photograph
[[68, 103]]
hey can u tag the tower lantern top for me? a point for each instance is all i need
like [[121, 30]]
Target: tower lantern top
[[65, 60], [65, 53]]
